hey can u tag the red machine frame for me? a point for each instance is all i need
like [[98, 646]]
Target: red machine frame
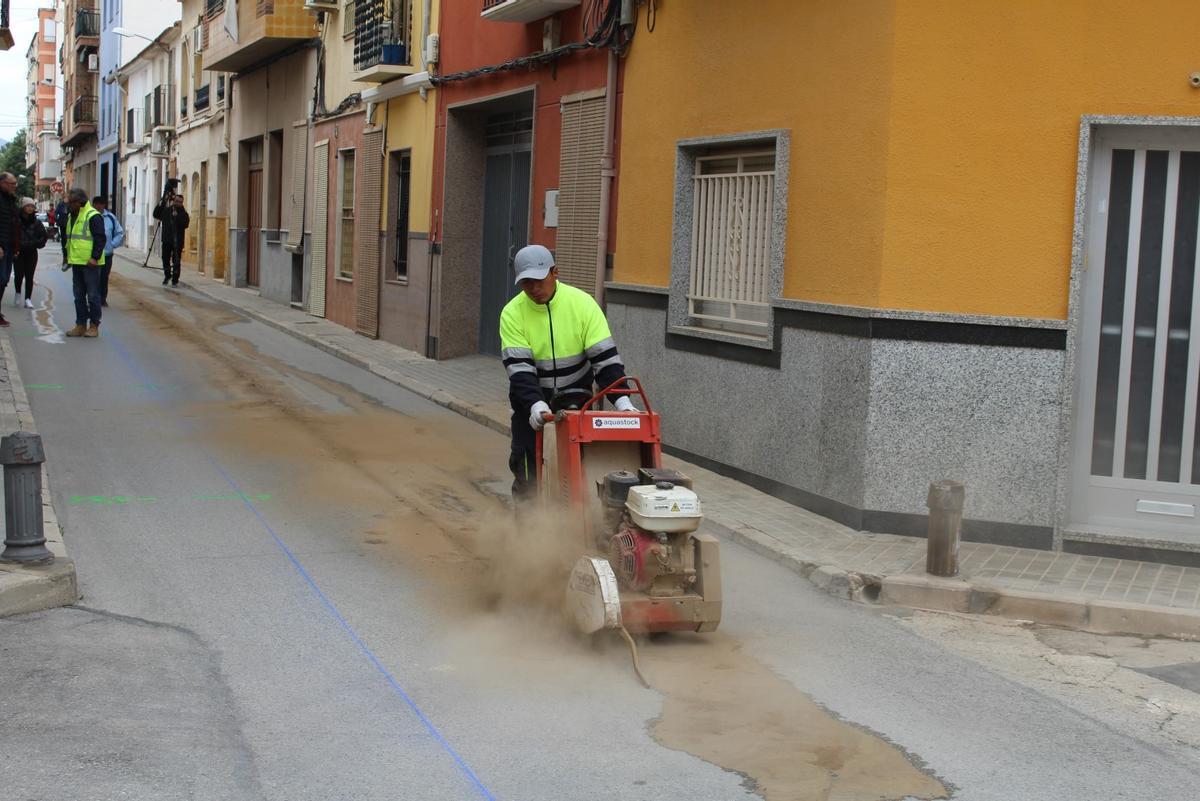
[[579, 427]]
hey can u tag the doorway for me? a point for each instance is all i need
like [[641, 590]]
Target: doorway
[[507, 173], [1136, 465], [254, 212]]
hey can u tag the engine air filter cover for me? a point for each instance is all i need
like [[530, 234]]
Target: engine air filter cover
[[664, 508]]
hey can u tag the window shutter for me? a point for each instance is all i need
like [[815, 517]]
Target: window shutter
[[366, 276], [320, 234], [579, 191], [299, 184]]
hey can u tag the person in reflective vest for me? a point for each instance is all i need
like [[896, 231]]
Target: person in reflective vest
[[83, 253], [553, 337]]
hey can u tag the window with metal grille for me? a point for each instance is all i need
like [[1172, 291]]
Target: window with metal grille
[[346, 222], [732, 213], [401, 181]]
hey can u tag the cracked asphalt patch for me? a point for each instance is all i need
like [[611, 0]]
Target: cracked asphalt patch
[[140, 709]]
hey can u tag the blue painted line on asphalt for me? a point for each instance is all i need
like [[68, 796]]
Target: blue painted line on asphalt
[[362, 646], [391, 680]]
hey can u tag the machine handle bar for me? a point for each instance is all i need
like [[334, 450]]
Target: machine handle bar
[[613, 389]]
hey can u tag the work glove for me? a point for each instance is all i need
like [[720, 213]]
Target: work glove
[[624, 404], [535, 415]]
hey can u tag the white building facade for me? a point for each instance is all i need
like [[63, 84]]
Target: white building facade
[[148, 131]]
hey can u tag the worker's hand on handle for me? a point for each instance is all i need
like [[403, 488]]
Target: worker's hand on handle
[[536, 412], [624, 404]]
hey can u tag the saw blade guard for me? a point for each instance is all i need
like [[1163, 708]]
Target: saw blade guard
[[593, 597]]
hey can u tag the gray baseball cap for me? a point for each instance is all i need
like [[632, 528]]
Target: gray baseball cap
[[532, 261]]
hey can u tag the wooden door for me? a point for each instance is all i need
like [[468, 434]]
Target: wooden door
[[254, 226]]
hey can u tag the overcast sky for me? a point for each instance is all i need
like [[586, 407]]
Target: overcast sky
[[14, 70]]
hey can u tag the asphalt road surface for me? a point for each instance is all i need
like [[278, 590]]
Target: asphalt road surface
[[298, 583]]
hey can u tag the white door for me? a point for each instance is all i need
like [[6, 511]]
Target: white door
[[1137, 459]]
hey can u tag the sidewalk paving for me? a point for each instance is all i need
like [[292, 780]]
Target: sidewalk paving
[[29, 588], [1092, 593]]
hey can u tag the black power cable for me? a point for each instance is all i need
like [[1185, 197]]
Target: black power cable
[[601, 28]]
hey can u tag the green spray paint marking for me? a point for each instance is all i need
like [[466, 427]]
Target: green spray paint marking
[[104, 500], [43, 386]]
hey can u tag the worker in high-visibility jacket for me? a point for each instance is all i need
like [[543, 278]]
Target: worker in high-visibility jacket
[[83, 252], [553, 337]]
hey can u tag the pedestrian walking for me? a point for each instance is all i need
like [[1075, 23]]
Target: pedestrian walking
[[10, 232], [174, 219], [553, 338], [60, 219], [33, 239], [114, 237], [83, 253]]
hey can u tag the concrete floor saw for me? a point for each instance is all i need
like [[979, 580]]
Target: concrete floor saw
[[644, 566]]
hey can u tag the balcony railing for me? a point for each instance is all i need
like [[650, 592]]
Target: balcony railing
[[524, 10], [200, 102], [183, 106], [87, 22], [213, 7], [83, 112]]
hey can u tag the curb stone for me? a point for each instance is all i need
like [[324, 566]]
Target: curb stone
[[913, 590]]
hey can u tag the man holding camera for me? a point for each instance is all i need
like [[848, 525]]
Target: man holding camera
[[174, 219]]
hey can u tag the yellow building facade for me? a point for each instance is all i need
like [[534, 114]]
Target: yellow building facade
[[913, 303]]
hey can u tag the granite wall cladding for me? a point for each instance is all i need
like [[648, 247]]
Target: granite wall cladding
[[802, 425], [987, 416], [866, 423]]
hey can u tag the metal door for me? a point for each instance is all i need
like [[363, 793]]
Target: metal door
[[1137, 458], [254, 199], [505, 217]]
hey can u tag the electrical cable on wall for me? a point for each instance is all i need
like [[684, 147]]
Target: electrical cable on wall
[[602, 28]]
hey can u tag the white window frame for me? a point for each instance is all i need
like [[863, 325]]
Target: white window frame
[[342, 217], [718, 239]]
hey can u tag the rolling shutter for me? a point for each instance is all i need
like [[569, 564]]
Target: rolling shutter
[[320, 234], [366, 268], [295, 237], [579, 191]]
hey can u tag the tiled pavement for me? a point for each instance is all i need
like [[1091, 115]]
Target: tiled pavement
[[475, 386]]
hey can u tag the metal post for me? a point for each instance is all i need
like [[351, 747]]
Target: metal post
[[25, 540], [945, 504]]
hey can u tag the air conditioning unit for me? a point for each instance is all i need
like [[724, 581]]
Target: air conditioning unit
[[93, 63], [320, 5], [160, 142], [197, 40]]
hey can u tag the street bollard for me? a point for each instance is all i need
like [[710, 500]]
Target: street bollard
[[25, 540], [945, 504]]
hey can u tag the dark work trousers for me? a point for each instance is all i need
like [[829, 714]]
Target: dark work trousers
[[85, 281], [522, 460], [171, 254], [104, 271], [23, 271]]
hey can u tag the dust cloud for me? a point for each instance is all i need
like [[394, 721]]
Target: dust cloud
[[428, 489]]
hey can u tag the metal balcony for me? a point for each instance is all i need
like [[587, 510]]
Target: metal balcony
[[524, 10], [87, 24], [264, 30], [380, 53], [6, 37]]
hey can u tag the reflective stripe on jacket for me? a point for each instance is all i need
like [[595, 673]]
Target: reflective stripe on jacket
[[562, 344], [79, 244]]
